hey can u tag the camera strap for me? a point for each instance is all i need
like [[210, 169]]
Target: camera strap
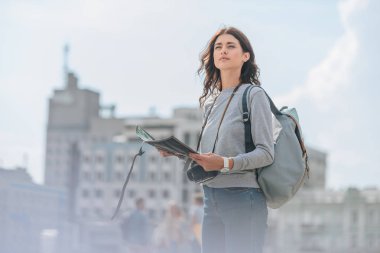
[[140, 153], [188, 161], [220, 123]]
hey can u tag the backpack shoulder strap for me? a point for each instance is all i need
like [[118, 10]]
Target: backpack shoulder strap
[[249, 145], [273, 107]]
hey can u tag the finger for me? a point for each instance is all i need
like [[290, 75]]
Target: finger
[[200, 163], [164, 153], [197, 158], [194, 156]]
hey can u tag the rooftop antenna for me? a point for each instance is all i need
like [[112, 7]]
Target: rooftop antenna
[[66, 50]]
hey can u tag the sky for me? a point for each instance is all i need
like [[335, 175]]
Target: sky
[[318, 56]]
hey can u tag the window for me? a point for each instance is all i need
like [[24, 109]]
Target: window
[[117, 193], [119, 159], [166, 176], [354, 217], [86, 176], [85, 193], [153, 159], [131, 193], [151, 194], [152, 176], [98, 193], [165, 194], [99, 176], [99, 159], [119, 175], [86, 159], [370, 217]]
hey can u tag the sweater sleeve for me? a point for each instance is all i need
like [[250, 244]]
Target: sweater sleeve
[[262, 135]]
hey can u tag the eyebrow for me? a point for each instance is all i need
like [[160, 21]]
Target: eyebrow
[[220, 43]]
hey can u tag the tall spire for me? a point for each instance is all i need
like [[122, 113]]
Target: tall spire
[[70, 79], [66, 50]]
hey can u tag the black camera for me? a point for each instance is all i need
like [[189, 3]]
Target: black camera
[[197, 174]]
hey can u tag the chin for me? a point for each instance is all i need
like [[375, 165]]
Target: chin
[[226, 67]]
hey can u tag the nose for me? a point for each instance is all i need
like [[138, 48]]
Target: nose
[[223, 51]]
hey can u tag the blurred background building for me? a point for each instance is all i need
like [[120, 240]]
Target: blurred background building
[[89, 155], [26, 209], [323, 220]]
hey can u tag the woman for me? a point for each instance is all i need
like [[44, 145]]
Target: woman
[[235, 210]]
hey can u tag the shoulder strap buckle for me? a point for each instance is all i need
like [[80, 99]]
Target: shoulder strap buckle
[[245, 116]]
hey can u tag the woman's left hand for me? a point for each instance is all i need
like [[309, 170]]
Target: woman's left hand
[[209, 161]]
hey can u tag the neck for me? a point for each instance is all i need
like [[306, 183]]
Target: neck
[[230, 78]]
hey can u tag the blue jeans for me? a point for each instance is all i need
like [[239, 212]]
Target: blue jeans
[[235, 220]]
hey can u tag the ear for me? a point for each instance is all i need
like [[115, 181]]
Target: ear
[[246, 56]]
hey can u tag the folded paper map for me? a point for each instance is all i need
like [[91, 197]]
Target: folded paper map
[[170, 144]]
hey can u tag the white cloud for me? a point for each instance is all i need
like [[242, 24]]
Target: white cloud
[[332, 74], [322, 95]]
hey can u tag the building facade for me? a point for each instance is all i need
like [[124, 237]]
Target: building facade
[[328, 221], [89, 155], [26, 209], [74, 120], [319, 220]]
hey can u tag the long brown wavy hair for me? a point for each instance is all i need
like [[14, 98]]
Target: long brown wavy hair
[[249, 72]]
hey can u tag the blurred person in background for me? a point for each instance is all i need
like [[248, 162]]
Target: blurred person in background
[[173, 234], [136, 229], [196, 217]]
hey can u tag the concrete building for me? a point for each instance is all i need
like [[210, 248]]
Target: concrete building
[[26, 209], [74, 118], [89, 155], [327, 221], [104, 167], [323, 220]]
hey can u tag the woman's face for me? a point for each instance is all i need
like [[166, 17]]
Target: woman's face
[[228, 53]]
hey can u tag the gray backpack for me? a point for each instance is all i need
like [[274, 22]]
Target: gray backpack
[[281, 180]]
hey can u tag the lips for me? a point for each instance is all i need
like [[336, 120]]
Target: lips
[[223, 58]]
